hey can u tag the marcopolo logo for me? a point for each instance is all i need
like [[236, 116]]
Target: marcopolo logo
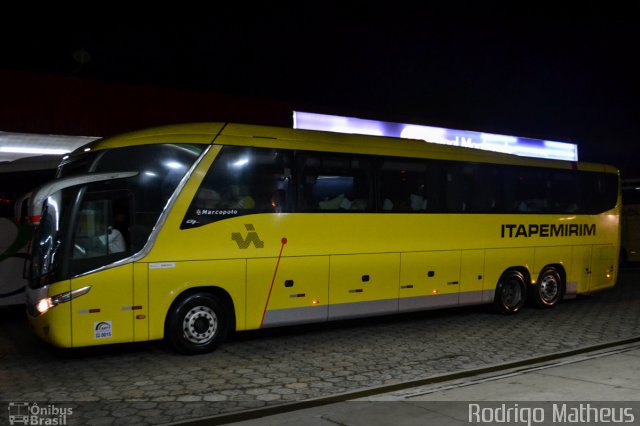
[[26, 413], [251, 238]]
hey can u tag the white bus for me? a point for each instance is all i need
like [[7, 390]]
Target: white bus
[[17, 178]]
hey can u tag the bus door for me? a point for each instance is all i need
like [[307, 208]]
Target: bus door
[[100, 238]]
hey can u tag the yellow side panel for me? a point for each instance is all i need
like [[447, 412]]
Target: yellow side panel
[[55, 325], [167, 280], [499, 260], [300, 282], [580, 270], [364, 277], [430, 273], [104, 314], [603, 267], [140, 302], [471, 276], [550, 255]]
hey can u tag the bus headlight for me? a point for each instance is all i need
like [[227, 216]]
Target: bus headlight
[[44, 305], [47, 303]]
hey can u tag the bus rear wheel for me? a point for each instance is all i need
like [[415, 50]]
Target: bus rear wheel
[[197, 323], [549, 289], [510, 292]]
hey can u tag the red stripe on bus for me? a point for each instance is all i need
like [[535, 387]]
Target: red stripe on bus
[[273, 280]]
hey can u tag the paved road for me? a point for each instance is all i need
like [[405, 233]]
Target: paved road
[[147, 384], [586, 387]]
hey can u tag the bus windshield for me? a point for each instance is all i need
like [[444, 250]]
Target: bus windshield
[[91, 225], [46, 239]]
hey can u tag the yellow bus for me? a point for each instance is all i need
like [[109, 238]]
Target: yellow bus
[[188, 232]]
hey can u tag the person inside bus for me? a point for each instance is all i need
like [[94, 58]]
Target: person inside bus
[[208, 198], [238, 198], [90, 242], [114, 239]]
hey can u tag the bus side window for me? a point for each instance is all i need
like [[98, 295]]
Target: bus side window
[[402, 186], [565, 192], [242, 180], [337, 183], [454, 185], [480, 181], [599, 191], [102, 234]]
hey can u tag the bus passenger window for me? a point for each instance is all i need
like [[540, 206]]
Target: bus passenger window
[[334, 183], [565, 192], [402, 186], [454, 191], [238, 197], [480, 188], [532, 191], [241, 180]]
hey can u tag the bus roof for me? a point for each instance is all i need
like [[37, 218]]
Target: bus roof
[[313, 140]]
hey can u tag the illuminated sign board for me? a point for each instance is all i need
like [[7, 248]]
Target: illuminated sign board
[[488, 141]]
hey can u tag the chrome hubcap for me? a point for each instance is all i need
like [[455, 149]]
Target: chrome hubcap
[[548, 288], [200, 325]]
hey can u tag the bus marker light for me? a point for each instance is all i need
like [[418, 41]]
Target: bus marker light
[[131, 308], [315, 302], [141, 316], [434, 291]]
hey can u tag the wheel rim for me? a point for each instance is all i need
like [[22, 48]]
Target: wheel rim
[[200, 325], [548, 288], [511, 294]]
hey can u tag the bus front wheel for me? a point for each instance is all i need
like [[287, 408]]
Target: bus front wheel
[[549, 289], [510, 292], [197, 323]]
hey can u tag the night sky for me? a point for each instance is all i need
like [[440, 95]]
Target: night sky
[[563, 73]]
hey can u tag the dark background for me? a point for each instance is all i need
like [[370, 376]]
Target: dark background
[[559, 72]]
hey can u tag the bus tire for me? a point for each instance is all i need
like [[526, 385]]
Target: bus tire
[[549, 289], [510, 292], [197, 324]]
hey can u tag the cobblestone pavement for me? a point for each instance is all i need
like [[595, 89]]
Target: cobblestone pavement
[[147, 384]]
